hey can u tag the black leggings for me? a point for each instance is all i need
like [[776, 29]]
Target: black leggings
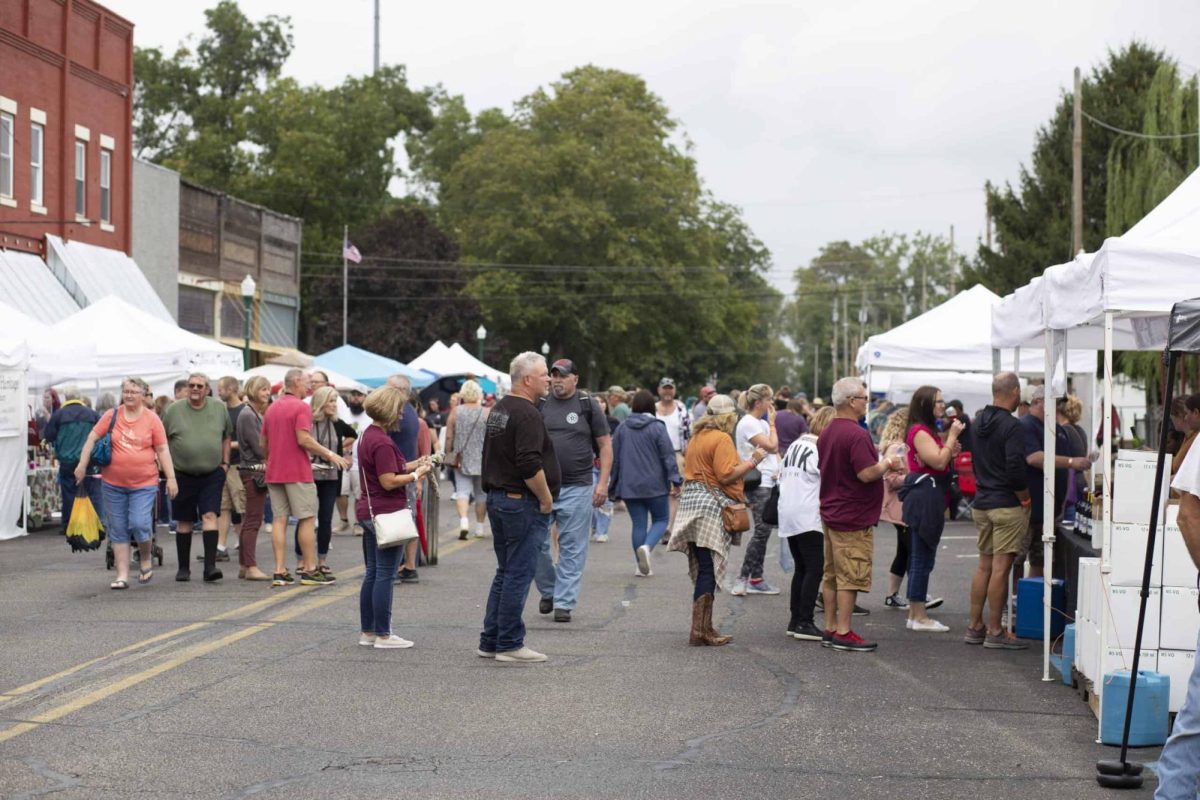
[[327, 494], [900, 562], [706, 578], [808, 551]]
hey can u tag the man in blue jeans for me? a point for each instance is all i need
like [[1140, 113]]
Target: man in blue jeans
[[580, 432], [521, 478], [1179, 765]]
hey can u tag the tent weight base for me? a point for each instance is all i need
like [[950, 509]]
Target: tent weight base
[[1119, 774]]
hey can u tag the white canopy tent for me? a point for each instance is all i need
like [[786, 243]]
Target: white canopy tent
[[13, 428], [275, 372], [1123, 297], [455, 360]]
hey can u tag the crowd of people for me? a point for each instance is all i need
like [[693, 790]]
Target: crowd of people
[[543, 468]]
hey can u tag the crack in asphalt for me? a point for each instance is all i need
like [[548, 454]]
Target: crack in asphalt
[[62, 781]]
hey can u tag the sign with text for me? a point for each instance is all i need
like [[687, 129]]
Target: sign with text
[[12, 403]]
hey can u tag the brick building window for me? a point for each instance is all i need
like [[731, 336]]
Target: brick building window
[[105, 187], [6, 156], [37, 139], [80, 178]]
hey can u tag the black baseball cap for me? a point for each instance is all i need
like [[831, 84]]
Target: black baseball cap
[[564, 366]]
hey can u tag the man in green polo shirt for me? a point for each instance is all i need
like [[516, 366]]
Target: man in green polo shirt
[[198, 436]]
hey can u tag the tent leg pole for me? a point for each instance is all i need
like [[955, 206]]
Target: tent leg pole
[[1049, 428]]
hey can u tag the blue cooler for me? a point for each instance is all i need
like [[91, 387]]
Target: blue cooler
[[1148, 727], [1067, 660], [1029, 608]]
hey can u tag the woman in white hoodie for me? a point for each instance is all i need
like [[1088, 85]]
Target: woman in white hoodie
[[800, 525]]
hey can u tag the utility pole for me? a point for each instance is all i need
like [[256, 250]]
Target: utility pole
[[816, 387], [376, 70], [953, 263], [846, 331], [924, 287], [1077, 170], [834, 362]]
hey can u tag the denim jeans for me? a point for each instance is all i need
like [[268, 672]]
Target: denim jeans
[[70, 489], [756, 551], [920, 564], [128, 513], [573, 513], [375, 596], [602, 516], [706, 576], [659, 511], [517, 530], [1179, 764]]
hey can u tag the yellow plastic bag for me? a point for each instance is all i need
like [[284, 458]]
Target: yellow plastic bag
[[83, 529]]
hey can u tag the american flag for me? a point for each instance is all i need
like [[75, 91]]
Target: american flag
[[350, 252]]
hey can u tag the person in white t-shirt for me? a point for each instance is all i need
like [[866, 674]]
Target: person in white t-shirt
[[757, 429], [799, 482], [357, 418], [1179, 765]]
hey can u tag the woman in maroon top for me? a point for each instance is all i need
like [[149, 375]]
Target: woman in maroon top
[[384, 475], [925, 493]]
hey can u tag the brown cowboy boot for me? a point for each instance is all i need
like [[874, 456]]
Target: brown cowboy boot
[[696, 639], [711, 637]]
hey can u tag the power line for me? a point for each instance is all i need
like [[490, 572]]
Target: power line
[[1137, 135]]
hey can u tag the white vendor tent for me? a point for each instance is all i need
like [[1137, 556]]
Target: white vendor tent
[[973, 389], [13, 428], [455, 360], [48, 362], [275, 372]]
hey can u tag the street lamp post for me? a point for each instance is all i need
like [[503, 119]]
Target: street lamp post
[[481, 335], [248, 287], [545, 349]]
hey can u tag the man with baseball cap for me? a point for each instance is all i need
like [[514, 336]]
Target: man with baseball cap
[[579, 431], [706, 393]]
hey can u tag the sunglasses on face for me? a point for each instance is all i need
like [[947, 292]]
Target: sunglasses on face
[[197, 386]]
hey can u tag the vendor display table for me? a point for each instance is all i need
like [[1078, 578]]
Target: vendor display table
[[1072, 546]]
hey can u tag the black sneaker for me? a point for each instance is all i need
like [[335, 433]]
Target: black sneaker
[[826, 638], [808, 632], [859, 611], [315, 578], [545, 605], [409, 576], [282, 579], [851, 641], [183, 575], [562, 615], [222, 555]]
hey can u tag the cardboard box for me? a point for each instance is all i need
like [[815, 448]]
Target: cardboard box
[[1117, 659], [1133, 486], [1177, 665], [1128, 555], [1089, 589], [1180, 618], [1178, 567], [1120, 616]]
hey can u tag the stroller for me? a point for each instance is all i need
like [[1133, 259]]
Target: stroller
[[962, 485]]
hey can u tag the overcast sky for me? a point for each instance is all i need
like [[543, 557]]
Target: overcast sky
[[822, 120]]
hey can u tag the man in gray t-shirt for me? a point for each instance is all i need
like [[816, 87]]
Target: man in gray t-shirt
[[579, 431]]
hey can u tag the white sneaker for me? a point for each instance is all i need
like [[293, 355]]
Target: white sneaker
[[738, 589], [478, 531], [637, 573], [392, 642], [643, 559], [523, 656], [930, 626], [341, 527], [367, 640], [601, 538]]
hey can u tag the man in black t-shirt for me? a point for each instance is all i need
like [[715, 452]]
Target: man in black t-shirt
[[580, 434], [521, 477]]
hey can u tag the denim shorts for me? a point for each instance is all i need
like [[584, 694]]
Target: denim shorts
[[128, 512]]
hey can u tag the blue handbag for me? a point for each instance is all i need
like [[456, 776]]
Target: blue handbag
[[102, 449]]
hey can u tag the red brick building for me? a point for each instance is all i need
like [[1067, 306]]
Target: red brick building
[[66, 107]]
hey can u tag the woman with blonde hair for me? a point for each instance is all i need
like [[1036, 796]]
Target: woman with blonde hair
[[464, 448], [384, 474], [712, 475], [756, 429], [329, 431], [252, 470]]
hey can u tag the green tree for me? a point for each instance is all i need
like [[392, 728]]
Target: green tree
[[591, 230], [1033, 220]]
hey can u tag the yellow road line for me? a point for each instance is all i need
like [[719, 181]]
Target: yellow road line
[[129, 681], [189, 654]]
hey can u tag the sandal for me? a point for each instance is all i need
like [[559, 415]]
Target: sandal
[[119, 585], [144, 575], [324, 569]]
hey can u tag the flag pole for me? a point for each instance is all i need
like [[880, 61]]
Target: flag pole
[[345, 282]]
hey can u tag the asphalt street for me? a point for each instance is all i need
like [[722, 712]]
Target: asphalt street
[[236, 690]]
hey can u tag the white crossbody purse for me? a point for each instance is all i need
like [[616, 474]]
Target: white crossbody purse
[[392, 529]]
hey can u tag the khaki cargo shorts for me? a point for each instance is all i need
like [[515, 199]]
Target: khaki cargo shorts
[[297, 500], [233, 494], [1001, 530], [848, 558]]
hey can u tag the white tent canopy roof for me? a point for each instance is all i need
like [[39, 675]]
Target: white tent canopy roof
[[455, 360], [1139, 275], [955, 336], [275, 372]]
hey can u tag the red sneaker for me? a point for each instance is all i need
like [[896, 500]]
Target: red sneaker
[[852, 641]]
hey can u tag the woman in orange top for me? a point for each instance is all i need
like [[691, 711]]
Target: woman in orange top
[[712, 479], [129, 482]]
